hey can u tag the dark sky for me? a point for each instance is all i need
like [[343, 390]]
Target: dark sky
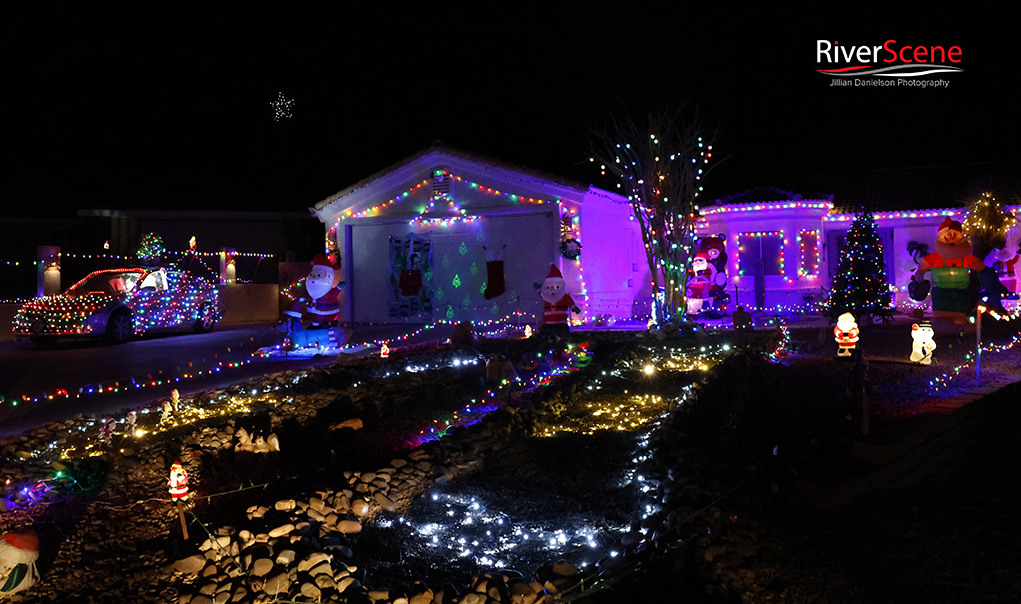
[[150, 109]]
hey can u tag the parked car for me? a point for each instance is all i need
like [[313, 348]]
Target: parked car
[[119, 303]]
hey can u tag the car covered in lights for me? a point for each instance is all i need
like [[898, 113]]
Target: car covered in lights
[[119, 303]]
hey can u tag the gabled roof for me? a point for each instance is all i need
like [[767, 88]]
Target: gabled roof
[[441, 155]]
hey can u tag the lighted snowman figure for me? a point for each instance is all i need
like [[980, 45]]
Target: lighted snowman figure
[[18, 554], [846, 334], [558, 303], [922, 343]]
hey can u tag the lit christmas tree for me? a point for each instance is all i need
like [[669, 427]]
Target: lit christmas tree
[[151, 249], [860, 286]]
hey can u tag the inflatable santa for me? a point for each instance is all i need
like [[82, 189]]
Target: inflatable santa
[[558, 304], [318, 306]]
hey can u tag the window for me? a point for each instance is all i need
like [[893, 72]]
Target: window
[[808, 245], [766, 246]]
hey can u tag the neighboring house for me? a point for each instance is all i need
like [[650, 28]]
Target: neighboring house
[[417, 242], [799, 238]]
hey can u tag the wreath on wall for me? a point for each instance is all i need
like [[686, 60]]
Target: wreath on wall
[[570, 248]]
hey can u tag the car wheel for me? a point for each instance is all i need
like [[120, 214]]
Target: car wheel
[[207, 319], [119, 329]]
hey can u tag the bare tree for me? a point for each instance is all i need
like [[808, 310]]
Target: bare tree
[[660, 165]]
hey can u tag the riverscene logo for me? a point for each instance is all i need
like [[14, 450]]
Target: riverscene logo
[[890, 64]]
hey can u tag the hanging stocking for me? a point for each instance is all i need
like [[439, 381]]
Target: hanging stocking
[[495, 285]]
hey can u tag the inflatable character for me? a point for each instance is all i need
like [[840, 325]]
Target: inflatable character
[[319, 307], [18, 554], [714, 248], [558, 304], [846, 334], [922, 343], [952, 294]]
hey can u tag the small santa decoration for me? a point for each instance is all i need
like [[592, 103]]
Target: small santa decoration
[[18, 554], [178, 482], [846, 334], [558, 304]]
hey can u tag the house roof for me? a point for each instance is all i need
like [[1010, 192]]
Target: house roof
[[443, 154], [898, 189]]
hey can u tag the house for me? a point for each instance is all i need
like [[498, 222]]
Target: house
[[447, 235], [799, 237]]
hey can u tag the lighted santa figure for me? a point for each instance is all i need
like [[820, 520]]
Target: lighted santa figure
[[952, 293], [18, 554], [178, 482], [318, 307], [846, 334], [701, 282], [558, 304]]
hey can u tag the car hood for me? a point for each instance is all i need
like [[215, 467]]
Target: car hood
[[65, 304]]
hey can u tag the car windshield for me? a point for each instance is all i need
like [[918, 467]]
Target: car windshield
[[113, 282]]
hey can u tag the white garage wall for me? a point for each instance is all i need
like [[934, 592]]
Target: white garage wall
[[531, 241]]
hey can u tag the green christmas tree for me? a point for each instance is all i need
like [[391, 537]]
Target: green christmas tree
[[860, 286], [151, 249]]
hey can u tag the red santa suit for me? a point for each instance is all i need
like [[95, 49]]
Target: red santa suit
[[321, 303], [559, 312]]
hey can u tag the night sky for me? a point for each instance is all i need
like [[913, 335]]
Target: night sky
[[142, 109]]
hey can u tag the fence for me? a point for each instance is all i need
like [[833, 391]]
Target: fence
[[24, 278]]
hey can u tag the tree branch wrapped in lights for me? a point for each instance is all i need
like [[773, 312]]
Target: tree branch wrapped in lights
[[660, 166]]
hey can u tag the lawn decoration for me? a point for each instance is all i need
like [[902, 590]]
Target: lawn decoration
[[258, 444], [922, 343], [558, 305], [715, 249], [860, 285], [384, 351], [700, 282], [166, 412], [129, 422], [952, 292], [846, 334], [18, 554], [106, 432], [175, 398], [1013, 272], [320, 307], [179, 492]]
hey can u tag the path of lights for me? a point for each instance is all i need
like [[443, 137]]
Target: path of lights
[[126, 384], [943, 381], [620, 413], [461, 526]]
